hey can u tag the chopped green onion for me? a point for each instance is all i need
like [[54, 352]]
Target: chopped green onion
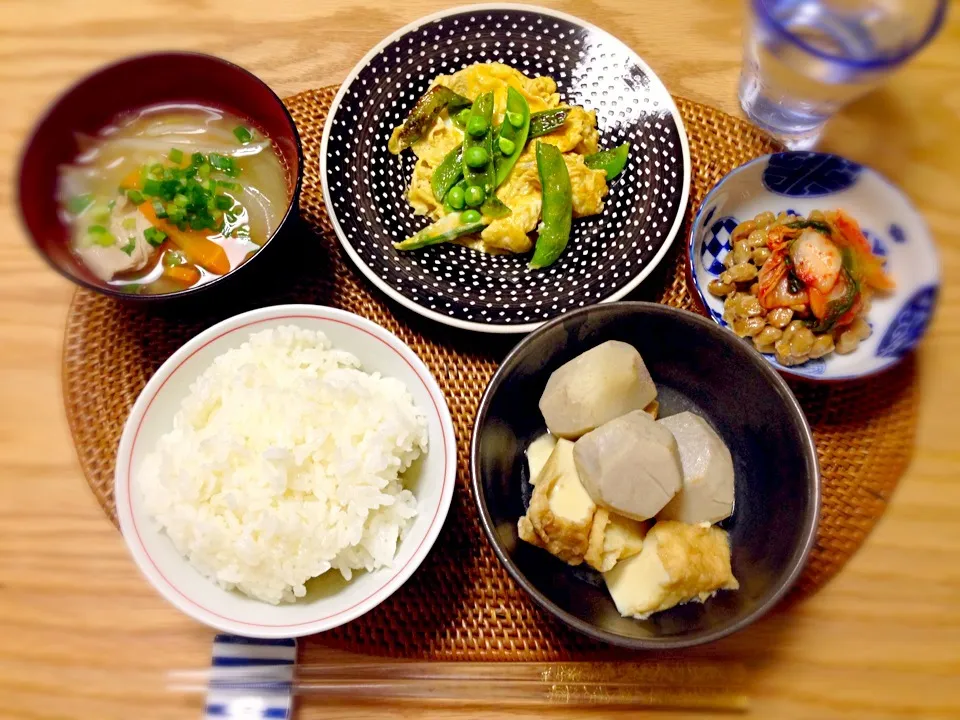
[[172, 258], [100, 213], [242, 134], [154, 236], [129, 223], [175, 155], [223, 163], [78, 203], [111, 205], [131, 288], [186, 196], [130, 246], [96, 229], [104, 239]]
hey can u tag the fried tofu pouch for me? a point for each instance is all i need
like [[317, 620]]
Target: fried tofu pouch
[[613, 538], [563, 520], [560, 513], [678, 563]]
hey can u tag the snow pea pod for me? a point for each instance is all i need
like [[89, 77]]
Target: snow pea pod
[[512, 135], [494, 207], [422, 116], [480, 135], [546, 121], [611, 161], [444, 230], [448, 173], [557, 211]]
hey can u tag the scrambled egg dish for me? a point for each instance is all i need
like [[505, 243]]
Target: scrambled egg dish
[[521, 191]]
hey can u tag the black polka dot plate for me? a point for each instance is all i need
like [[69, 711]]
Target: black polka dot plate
[[608, 255]]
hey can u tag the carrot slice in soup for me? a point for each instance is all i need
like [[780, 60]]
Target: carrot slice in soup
[[199, 249], [186, 274]]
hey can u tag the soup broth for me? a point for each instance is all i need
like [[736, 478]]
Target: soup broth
[[171, 197]]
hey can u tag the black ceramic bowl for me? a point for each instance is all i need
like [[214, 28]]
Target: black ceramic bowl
[[698, 366], [130, 85]]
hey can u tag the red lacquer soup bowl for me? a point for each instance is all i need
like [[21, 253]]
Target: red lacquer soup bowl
[[127, 87]]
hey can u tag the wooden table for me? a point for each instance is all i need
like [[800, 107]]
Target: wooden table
[[82, 635]]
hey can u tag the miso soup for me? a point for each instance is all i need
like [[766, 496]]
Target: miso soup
[[171, 197]]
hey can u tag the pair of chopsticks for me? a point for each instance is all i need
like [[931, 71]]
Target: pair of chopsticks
[[656, 684]]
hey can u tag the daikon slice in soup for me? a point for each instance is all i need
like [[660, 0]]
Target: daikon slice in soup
[[171, 197]]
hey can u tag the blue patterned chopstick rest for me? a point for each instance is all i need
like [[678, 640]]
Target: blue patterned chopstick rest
[[234, 695]]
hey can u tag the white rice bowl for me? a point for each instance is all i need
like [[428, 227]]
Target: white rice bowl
[[285, 461]]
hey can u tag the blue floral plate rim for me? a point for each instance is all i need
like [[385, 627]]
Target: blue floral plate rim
[[933, 287]]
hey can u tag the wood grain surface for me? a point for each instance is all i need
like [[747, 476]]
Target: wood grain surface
[[82, 635]]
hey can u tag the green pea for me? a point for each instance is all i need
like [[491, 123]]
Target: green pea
[[455, 198], [477, 126], [476, 157], [474, 196], [515, 119], [470, 216], [507, 146], [462, 117]]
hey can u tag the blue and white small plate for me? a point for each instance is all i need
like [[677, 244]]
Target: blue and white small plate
[[804, 181]]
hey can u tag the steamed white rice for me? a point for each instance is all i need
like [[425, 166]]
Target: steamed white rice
[[284, 462]]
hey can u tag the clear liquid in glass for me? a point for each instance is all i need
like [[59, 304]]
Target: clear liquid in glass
[[790, 90]]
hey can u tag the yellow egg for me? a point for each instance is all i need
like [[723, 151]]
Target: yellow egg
[[521, 191], [578, 134], [540, 92]]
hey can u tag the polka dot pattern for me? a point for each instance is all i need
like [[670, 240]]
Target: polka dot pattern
[[607, 252]]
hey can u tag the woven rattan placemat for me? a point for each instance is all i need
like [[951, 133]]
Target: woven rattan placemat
[[461, 604]]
